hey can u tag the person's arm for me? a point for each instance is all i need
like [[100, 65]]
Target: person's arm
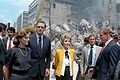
[[47, 72], [78, 55], [56, 59], [6, 72], [82, 63], [8, 63]]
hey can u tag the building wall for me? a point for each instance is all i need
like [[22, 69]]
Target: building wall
[[109, 11], [118, 11], [19, 22], [58, 12], [92, 10], [62, 11], [32, 12], [22, 20]]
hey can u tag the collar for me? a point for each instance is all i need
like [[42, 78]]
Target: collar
[[67, 50], [21, 47], [38, 36], [108, 41], [90, 46], [1, 37], [118, 43], [11, 39]]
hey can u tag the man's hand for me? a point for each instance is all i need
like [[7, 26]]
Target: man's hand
[[82, 74], [6, 72], [47, 72], [91, 70]]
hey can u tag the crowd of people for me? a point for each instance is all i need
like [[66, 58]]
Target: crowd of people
[[26, 55]]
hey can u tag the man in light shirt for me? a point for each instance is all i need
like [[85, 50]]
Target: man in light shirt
[[90, 54], [8, 41]]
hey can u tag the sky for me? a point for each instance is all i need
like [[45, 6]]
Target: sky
[[11, 9]]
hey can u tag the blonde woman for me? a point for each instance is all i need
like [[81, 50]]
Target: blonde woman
[[64, 58]]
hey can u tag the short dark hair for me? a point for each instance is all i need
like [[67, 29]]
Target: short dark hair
[[40, 21], [86, 40], [115, 37], [92, 35], [11, 29], [2, 27]]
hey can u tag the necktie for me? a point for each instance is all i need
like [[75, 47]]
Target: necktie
[[66, 54], [9, 45], [90, 55], [40, 42]]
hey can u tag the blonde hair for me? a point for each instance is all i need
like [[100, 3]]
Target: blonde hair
[[65, 36]]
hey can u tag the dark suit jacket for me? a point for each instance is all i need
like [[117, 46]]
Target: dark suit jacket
[[40, 58], [107, 62], [5, 42], [117, 72], [2, 55]]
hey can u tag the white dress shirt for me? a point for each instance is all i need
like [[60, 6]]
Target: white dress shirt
[[1, 37], [94, 54], [108, 42], [41, 40], [66, 62], [11, 43]]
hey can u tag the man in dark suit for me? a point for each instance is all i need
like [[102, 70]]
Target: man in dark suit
[[41, 52], [2, 49], [8, 41], [109, 56]]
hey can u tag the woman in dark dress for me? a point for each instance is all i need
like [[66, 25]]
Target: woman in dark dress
[[18, 59]]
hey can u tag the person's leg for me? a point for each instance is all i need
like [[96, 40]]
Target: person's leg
[[67, 73], [78, 73], [1, 77], [1, 73], [41, 77], [47, 78], [58, 78], [34, 78], [19, 77]]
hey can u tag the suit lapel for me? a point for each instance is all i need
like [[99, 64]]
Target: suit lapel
[[2, 45], [5, 42], [34, 42], [71, 55], [44, 42], [62, 54], [97, 52], [103, 52], [86, 54], [43, 46]]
